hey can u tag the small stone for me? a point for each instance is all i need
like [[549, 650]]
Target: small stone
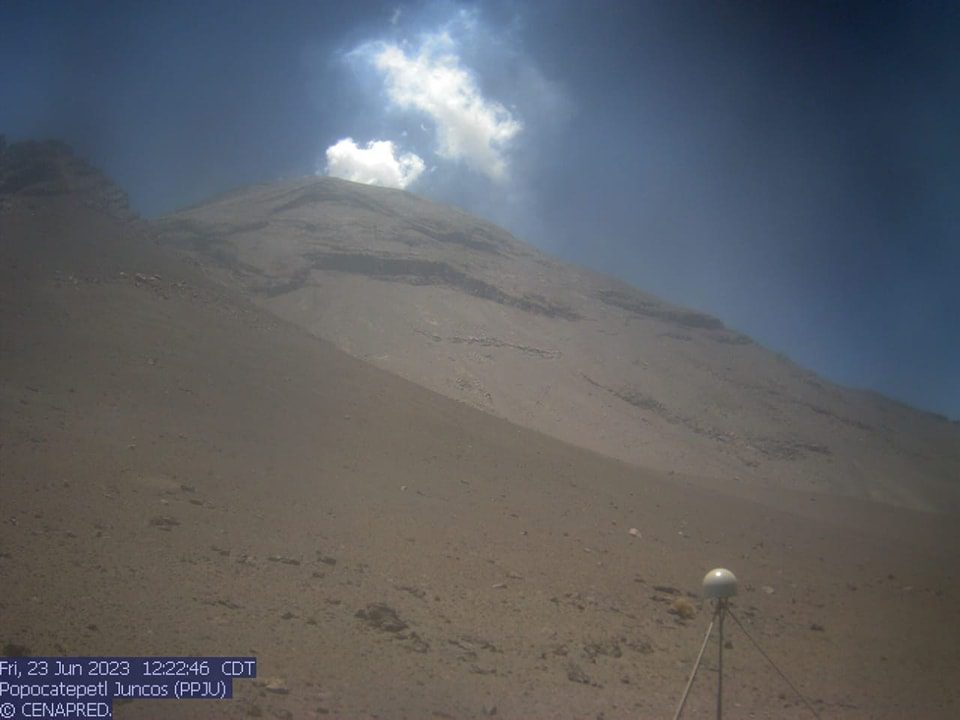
[[382, 617], [576, 674], [682, 608], [164, 522], [276, 685], [634, 532], [767, 589]]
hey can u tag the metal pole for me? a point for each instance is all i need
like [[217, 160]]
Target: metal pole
[[721, 608], [693, 674]]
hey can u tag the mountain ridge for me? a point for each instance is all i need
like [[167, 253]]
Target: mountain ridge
[[462, 307], [184, 473]]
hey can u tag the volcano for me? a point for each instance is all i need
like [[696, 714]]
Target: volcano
[[420, 469], [461, 307]]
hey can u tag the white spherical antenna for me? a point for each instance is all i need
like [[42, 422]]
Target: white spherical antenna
[[719, 583]]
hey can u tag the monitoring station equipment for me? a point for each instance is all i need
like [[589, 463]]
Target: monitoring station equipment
[[719, 585]]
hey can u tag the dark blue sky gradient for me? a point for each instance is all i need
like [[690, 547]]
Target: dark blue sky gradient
[[791, 167]]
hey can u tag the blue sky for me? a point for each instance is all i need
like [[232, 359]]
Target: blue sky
[[793, 168]]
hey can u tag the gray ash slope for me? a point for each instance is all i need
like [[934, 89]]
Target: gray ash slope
[[460, 306]]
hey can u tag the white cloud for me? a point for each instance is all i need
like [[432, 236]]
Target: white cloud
[[469, 127], [376, 164]]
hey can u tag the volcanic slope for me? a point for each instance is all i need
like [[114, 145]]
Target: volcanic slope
[[463, 308], [182, 473]]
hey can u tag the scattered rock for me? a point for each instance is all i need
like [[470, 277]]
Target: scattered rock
[[417, 644], [682, 608], [415, 591], [666, 589], [576, 674], [472, 645], [477, 670], [229, 604], [642, 646], [490, 709], [558, 649], [15, 650], [283, 559], [817, 627], [767, 589], [382, 617], [275, 685], [634, 532], [608, 648], [164, 522]]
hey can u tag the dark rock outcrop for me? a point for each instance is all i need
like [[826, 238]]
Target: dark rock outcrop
[[50, 168]]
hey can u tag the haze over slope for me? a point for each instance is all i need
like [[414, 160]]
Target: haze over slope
[[461, 307]]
